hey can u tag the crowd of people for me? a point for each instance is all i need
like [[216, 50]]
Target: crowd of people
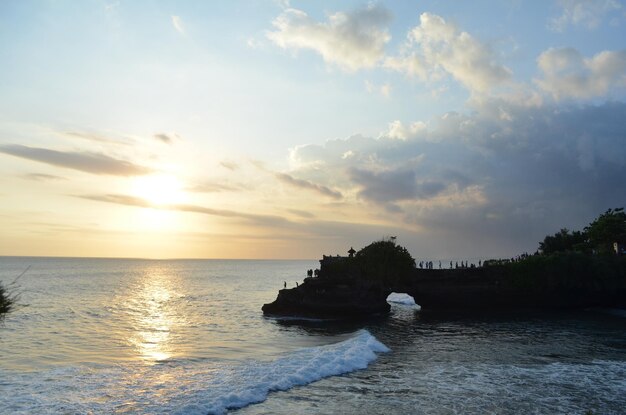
[[453, 265]]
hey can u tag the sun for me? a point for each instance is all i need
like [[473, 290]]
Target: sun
[[159, 189]]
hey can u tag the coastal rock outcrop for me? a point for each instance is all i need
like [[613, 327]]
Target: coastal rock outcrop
[[352, 287], [320, 297]]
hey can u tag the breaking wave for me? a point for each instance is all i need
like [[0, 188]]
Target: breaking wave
[[179, 387]]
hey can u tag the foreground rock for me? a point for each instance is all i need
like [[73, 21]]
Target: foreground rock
[[324, 298]]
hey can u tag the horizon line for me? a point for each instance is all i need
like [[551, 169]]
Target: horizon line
[[156, 259]]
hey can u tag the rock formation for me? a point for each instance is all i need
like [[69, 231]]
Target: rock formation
[[353, 287]]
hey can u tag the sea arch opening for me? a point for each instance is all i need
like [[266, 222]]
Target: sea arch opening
[[402, 298]]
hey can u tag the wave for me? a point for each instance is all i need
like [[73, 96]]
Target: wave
[[185, 387], [297, 369]]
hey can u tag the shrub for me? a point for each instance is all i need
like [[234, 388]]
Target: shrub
[[385, 261], [6, 301]]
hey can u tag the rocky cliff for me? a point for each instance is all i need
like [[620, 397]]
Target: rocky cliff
[[343, 289]]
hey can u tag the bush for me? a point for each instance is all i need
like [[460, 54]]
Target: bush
[[563, 241], [6, 301], [609, 227], [384, 261], [569, 270]]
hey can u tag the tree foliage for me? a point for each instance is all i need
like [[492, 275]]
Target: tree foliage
[[608, 228], [6, 301], [563, 241], [598, 236], [385, 261]]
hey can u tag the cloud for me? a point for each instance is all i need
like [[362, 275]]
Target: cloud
[[94, 137], [392, 185], [177, 22], [567, 74], [485, 178], [305, 184], [301, 213], [384, 89], [399, 131], [351, 40], [214, 187], [437, 48], [126, 200], [434, 49], [94, 163], [308, 229], [166, 138], [230, 165], [585, 13], [42, 177]]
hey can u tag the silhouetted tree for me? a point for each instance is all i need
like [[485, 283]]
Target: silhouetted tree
[[385, 261], [609, 227], [563, 241], [6, 301]]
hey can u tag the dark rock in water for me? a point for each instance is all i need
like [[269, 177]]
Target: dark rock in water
[[318, 297]]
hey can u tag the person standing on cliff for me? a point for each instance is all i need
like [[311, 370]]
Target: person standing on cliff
[[285, 284]]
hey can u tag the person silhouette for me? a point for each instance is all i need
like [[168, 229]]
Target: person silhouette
[[285, 284]]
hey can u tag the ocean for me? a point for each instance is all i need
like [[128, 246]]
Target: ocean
[[131, 336]]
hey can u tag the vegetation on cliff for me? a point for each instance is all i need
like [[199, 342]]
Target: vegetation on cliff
[[385, 261], [6, 301], [570, 270], [598, 236], [578, 261], [608, 228], [382, 262]]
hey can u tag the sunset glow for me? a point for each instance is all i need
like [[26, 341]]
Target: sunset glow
[[298, 129], [159, 190]]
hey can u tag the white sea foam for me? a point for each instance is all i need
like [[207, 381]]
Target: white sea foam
[[401, 298], [183, 388], [300, 368]]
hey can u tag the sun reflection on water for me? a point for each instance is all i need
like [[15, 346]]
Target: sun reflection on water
[[154, 316]]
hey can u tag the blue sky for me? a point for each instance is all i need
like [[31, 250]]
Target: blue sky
[[275, 129]]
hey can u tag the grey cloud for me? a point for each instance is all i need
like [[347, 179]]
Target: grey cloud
[[301, 213], [94, 163], [165, 138], [503, 180], [305, 184], [394, 185]]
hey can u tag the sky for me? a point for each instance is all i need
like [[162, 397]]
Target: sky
[[291, 129]]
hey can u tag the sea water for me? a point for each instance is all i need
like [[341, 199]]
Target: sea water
[[188, 337]]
